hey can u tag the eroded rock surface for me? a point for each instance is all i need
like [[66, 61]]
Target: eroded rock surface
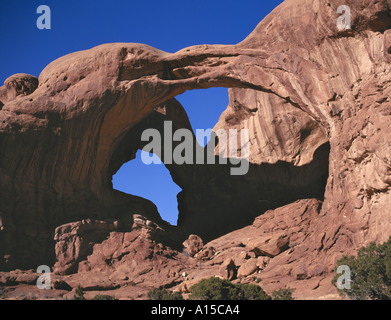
[[316, 103], [132, 260]]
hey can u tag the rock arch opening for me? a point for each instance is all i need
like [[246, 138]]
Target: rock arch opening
[[211, 203], [152, 182], [289, 158]]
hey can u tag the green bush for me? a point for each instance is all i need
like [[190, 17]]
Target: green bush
[[370, 273], [252, 292], [163, 294], [214, 289], [283, 294], [219, 289], [79, 294], [103, 297]]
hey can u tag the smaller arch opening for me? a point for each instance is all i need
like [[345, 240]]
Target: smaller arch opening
[[152, 182]]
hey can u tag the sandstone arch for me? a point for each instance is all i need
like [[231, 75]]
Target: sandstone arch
[[58, 141]]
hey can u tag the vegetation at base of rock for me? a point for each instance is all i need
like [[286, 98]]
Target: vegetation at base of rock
[[220, 289], [283, 294], [214, 289], [163, 294], [103, 297], [370, 273], [252, 292], [79, 294]]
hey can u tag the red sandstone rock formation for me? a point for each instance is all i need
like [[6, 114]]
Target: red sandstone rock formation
[[316, 102]]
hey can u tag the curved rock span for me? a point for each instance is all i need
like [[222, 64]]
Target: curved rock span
[[314, 99]]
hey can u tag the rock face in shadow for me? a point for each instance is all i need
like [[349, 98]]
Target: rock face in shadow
[[213, 202], [315, 101]]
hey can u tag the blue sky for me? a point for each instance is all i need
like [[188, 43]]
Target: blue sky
[[168, 25]]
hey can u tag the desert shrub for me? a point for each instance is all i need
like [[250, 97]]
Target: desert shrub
[[163, 294], [103, 297], [79, 294], [219, 289], [214, 289], [370, 273], [252, 292], [283, 294]]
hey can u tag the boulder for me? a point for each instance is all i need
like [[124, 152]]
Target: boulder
[[248, 268], [74, 242], [16, 85], [269, 246], [229, 270], [193, 244]]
